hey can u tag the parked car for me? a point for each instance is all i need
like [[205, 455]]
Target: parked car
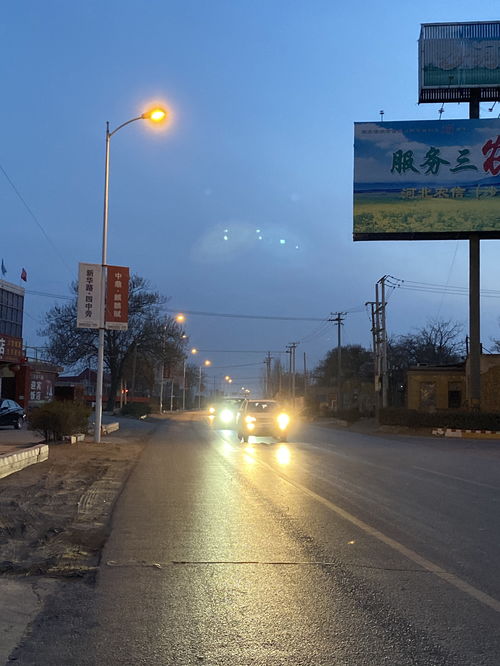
[[262, 418], [11, 414]]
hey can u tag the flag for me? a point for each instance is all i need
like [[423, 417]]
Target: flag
[[24, 275], [4, 270]]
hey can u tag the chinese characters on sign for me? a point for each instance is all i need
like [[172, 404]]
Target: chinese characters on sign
[[117, 298], [11, 349], [421, 179], [41, 387], [89, 296]]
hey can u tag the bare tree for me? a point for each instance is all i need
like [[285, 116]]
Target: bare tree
[[437, 343], [158, 337]]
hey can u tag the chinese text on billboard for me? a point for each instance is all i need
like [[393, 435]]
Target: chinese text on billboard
[[427, 179]]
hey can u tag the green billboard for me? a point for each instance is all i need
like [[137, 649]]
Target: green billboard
[[427, 179]]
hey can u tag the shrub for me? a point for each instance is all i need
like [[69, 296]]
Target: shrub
[[55, 419], [446, 418], [136, 409], [350, 415]]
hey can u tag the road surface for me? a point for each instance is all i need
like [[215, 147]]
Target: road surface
[[334, 549]]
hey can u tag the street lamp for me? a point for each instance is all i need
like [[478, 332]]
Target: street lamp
[[154, 115]]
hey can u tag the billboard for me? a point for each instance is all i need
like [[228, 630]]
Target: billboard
[[89, 296], [459, 61], [426, 179], [117, 298]]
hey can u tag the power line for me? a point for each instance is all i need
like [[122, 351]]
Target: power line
[[48, 295], [245, 316], [34, 217]]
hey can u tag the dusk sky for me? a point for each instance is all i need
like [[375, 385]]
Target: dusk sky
[[243, 204]]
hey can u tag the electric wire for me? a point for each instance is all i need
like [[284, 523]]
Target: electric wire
[[34, 218]]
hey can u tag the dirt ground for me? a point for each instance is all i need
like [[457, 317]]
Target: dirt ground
[[54, 515]]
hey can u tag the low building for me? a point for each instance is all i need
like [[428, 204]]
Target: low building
[[430, 388], [446, 386]]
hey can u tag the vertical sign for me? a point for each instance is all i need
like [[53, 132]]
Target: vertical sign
[[117, 298], [89, 296]]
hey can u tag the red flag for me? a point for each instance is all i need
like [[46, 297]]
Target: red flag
[[24, 275]]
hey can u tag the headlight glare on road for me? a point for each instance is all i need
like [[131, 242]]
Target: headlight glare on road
[[283, 421]]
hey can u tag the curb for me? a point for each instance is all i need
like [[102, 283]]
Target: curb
[[476, 434], [14, 462]]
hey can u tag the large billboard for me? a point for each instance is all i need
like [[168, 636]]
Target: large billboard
[[459, 61], [426, 179]]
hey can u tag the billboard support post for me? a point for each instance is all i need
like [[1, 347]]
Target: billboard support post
[[474, 303]]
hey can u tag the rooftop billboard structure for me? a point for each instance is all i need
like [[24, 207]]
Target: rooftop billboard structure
[[459, 62]]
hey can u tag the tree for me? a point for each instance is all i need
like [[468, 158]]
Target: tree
[[437, 343], [158, 337], [356, 363]]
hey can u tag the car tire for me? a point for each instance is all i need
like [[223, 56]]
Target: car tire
[[18, 424]]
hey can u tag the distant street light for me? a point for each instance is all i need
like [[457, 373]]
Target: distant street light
[[154, 115]]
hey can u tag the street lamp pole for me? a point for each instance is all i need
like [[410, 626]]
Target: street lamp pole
[[100, 346], [199, 391], [155, 115], [184, 386]]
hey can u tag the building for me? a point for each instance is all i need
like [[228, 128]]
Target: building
[[11, 339], [431, 388], [29, 382]]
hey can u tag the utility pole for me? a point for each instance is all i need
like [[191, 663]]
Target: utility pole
[[338, 318], [305, 376], [291, 350], [268, 374], [379, 336], [376, 353]]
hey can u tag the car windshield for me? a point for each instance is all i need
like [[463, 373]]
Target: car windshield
[[263, 406]]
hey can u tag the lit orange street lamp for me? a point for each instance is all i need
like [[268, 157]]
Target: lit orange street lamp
[[155, 115]]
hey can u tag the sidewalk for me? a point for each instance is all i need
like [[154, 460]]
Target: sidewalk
[[54, 518]]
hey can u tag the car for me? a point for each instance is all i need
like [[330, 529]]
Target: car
[[11, 414], [223, 413], [262, 418]]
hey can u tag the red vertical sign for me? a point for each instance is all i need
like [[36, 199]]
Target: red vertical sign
[[117, 298]]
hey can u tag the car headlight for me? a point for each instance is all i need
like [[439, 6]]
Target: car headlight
[[211, 410], [249, 419], [226, 416], [283, 421]]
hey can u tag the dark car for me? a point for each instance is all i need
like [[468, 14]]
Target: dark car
[[223, 413], [262, 418], [11, 414]]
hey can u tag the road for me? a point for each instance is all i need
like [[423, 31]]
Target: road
[[334, 549]]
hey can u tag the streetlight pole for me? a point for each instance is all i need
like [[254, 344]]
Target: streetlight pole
[[199, 391], [184, 386], [155, 115]]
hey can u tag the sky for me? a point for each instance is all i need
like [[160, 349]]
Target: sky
[[243, 204]]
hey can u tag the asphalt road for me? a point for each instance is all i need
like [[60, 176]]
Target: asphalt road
[[334, 549]]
